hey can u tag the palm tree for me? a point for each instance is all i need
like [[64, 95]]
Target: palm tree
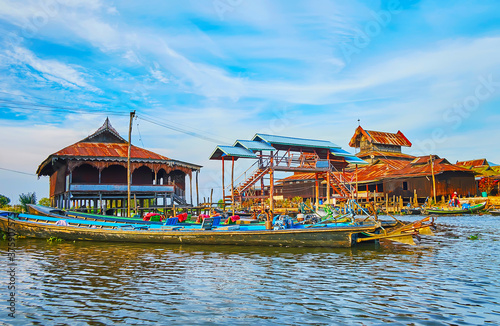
[[25, 199]]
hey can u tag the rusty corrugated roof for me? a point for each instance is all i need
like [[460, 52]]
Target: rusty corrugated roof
[[299, 176], [379, 137], [107, 145], [389, 169], [388, 155], [108, 150], [473, 163]]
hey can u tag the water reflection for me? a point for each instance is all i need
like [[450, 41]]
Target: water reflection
[[447, 279]]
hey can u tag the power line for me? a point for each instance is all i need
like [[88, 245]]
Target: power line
[[20, 172], [29, 106], [140, 136], [187, 132]]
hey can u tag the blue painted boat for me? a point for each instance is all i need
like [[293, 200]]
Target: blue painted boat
[[76, 229]]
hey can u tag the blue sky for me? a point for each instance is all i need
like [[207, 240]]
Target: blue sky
[[226, 69]]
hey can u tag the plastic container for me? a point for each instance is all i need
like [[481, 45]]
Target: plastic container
[[485, 194]]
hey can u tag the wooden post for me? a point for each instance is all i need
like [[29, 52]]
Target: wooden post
[[232, 183], [197, 193], [223, 190], [356, 182], [132, 114], [271, 184], [317, 191], [328, 187], [135, 204], [387, 203], [433, 180], [211, 196], [191, 187]]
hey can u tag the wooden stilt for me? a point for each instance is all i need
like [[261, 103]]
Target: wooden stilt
[[317, 191], [223, 186], [328, 187], [232, 184], [197, 193]]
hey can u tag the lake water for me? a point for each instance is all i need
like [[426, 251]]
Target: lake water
[[445, 280]]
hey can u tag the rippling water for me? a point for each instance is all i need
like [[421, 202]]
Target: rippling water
[[446, 280]]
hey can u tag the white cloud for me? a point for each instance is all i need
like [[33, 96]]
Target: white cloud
[[66, 75]]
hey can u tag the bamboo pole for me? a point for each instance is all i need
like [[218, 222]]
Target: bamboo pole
[[328, 187], [132, 114]]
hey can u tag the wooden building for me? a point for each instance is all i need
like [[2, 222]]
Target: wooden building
[[415, 178], [394, 173], [390, 172], [92, 173]]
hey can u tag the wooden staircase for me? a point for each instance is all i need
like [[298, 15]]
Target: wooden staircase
[[338, 184], [249, 182]]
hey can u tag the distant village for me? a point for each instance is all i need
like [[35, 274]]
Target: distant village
[[92, 173]]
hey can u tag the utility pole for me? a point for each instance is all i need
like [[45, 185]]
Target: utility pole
[[132, 114]]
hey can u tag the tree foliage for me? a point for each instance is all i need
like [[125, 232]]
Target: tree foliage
[[25, 199], [44, 202], [4, 201]]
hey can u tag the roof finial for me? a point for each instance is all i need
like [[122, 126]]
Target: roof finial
[[359, 123]]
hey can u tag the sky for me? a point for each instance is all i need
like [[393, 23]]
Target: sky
[[200, 73]]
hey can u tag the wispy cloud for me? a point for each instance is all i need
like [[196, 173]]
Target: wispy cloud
[[53, 70]]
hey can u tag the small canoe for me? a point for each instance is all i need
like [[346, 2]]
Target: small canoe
[[411, 211], [457, 211], [495, 212]]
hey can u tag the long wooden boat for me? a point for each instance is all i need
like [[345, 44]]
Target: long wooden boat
[[326, 235], [59, 213], [343, 236], [457, 211]]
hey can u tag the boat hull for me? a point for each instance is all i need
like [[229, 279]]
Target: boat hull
[[58, 213], [314, 237], [473, 209]]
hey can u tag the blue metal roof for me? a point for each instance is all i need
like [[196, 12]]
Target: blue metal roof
[[298, 142], [254, 145], [231, 151], [339, 152], [350, 158], [355, 160]]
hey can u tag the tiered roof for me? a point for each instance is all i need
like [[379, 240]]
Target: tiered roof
[[106, 145], [379, 137], [265, 142]]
